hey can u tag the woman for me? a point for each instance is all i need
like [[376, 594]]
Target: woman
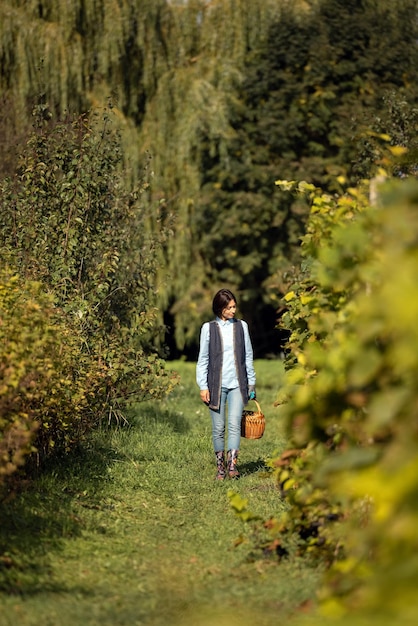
[[225, 375]]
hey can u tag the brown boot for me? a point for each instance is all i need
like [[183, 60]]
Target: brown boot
[[220, 464], [231, 463]]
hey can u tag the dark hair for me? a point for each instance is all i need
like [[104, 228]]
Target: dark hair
[[221, 300]]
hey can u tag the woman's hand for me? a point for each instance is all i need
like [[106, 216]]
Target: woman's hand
[[205, 396]]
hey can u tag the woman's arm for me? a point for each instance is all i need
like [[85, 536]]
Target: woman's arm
[[249, 359], [203, 363]]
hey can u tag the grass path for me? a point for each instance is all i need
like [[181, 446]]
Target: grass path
[[135, 531]]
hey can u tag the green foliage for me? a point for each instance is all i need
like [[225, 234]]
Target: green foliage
[[80, 52], [188, 123], [317, 79], [69, 222], [349, 399], [48, 388], [225, 97], [391, 133]]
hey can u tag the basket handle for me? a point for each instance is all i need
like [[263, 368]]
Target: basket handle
[[258, 406]]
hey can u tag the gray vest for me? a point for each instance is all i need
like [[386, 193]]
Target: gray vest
[[216, 362]]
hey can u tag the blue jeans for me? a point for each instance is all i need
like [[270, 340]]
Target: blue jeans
[[235, 407]]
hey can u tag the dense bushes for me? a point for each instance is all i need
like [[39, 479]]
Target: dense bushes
[[48, 387], [325, 73], [350, 474], [350, 401], [78, 315]]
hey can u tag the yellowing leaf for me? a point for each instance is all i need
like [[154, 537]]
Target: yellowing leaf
[[398, 150], [306, 298], [286, 185], [236, 501], [383, 136], [303, 187], [289, 296]]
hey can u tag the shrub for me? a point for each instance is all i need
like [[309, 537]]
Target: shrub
[[350, 477], [350, 400], [77, 238], [48, 389]]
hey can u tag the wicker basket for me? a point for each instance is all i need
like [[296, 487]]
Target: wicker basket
[[253, 423]]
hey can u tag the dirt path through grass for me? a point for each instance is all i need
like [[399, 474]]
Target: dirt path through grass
[[135, 531]]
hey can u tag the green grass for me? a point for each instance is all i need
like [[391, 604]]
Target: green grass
[[134, 530]]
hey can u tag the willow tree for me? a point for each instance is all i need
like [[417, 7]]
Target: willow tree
[[317, 81], [77, 55], [273, 90], [86, 51], [219, 97], [171, 70], [193, 113]]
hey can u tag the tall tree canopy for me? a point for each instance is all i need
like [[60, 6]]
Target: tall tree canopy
[[223, 97], [319, 79]]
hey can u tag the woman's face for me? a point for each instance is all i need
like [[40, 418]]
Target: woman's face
[[229, 311]]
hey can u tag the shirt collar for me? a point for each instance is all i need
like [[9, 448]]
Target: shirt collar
[[224, 322]]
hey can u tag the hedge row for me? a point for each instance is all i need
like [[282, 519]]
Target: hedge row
[[48, 387], [350, 399], [78, 319]]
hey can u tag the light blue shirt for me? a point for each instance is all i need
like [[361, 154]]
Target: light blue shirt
[[229, 372]]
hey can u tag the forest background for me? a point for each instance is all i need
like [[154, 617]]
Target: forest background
[[153, 151], [215, 101]]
